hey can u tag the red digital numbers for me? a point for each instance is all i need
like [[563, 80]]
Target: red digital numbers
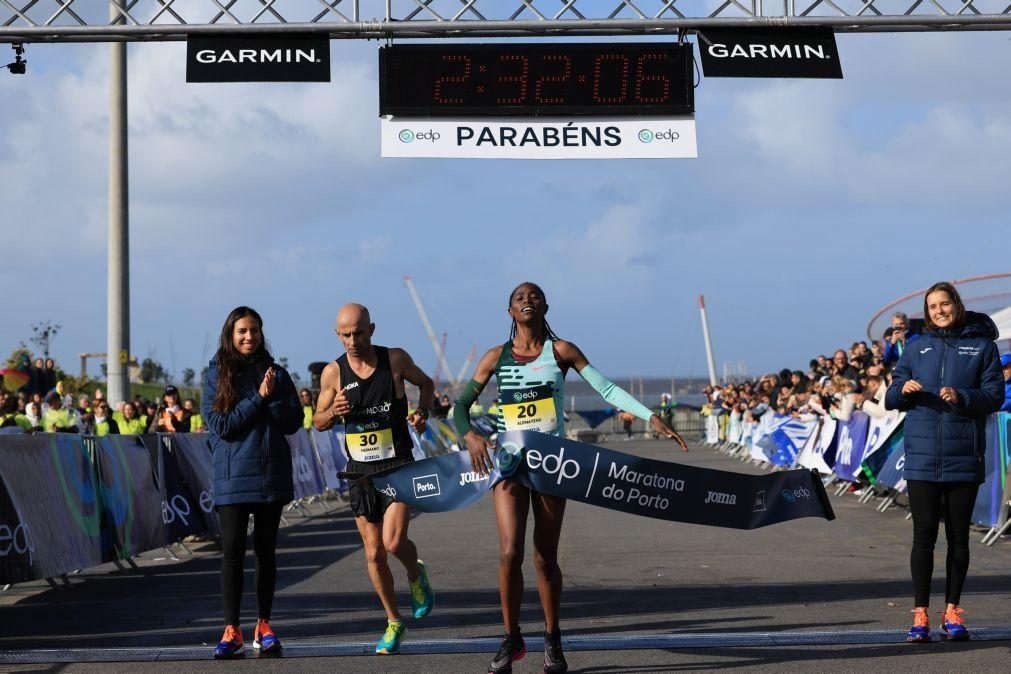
[[598, 68], [642, 79], [553, 79], [519, 78], [461, 78], [606, 78]]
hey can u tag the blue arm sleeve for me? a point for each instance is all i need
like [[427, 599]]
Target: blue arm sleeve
[[614, 394]]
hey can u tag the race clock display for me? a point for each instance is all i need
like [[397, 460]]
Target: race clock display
[[536, 79]]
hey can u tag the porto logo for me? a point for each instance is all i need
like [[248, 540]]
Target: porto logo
[[390, 491], [646, 136], [406, 136], [426, 485], [721, 498]]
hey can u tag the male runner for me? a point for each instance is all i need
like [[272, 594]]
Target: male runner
[[365, 388]]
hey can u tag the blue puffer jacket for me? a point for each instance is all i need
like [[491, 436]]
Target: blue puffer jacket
[[1006, 407], [252, 458], [945, 442]]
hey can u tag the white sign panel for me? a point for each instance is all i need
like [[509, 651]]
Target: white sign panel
[[540, 138]]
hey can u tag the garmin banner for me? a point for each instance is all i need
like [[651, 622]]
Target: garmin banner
[[540, 138], [610, 479], [789, 52], [287, 58]]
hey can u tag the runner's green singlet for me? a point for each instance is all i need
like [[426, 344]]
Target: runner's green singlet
[[531, 396]]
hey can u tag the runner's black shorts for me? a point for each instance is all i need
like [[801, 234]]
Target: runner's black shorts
[[363, 497]]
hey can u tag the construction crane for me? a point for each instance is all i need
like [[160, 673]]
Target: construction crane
[[443, 365], [471, 357], [442, 350]]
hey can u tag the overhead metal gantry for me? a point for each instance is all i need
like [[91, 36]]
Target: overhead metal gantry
[[163, 20]]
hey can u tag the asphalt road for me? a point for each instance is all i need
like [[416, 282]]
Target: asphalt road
[[640, 595]]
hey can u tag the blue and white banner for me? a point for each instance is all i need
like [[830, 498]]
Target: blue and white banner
[[436, 484], [812, 456], [891, 474], [851, 444], [574, 470], [787, 439]]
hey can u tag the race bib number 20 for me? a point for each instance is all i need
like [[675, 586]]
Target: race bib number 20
[[530, 409]]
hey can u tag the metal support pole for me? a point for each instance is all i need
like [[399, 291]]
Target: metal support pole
[[118, 351], [709, 342]]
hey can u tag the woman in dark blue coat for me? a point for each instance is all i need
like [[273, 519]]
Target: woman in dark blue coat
[[948, 382], [249, 405]]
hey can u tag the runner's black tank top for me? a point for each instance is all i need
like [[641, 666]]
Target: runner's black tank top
[[375, 432]]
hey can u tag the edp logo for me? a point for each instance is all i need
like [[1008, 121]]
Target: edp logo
[[648, 136], [408, 136]]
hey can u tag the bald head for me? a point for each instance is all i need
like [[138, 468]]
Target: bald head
[[353, 314], [355, 328]]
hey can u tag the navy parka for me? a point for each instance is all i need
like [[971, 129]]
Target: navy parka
[[945, 442], [252, 458]]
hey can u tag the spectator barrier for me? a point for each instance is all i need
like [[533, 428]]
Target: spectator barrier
[[867, 449], [69, 502]]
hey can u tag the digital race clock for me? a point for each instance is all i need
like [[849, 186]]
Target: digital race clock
[[459, 80]]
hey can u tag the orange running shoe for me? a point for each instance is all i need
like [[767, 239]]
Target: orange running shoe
[[264, 639], [953, 625], [920, 631], [231, 645]]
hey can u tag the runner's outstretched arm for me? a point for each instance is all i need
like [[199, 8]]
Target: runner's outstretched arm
[[611, 392], [476, 445]]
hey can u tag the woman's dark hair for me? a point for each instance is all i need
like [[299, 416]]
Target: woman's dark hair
[[548, 332], [956, 299], [229, 359]]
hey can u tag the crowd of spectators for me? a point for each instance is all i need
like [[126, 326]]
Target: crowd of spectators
[[42, 405], [853, 378]]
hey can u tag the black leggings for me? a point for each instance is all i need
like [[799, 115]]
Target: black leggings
[[234, 520], [929, 502]]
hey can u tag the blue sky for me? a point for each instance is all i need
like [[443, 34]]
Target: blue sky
[[812, 204]]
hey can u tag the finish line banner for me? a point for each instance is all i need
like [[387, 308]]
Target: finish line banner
[[610, 479], [540, 138]]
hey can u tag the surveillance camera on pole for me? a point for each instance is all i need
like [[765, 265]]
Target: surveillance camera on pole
[[20, 65]]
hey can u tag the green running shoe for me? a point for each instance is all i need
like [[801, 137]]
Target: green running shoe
[[422, 598], [390, 643]]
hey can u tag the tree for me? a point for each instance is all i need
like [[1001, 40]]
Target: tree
[[188, 376], [43, 334], [151, 371]]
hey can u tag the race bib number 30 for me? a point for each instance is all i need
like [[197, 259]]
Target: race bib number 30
[[529, 410], [369, 442]]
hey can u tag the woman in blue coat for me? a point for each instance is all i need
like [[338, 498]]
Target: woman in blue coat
[[948, 382], [249, 405]]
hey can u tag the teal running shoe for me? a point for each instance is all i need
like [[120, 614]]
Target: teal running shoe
[[422, 598], [390, 642]]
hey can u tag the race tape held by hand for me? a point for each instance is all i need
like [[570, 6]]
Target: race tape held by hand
[[610, 479]]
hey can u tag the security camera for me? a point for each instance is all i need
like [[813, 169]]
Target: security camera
[[20, 65]]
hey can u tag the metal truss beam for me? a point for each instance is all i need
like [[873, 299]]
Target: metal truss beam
[[163, 20]]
